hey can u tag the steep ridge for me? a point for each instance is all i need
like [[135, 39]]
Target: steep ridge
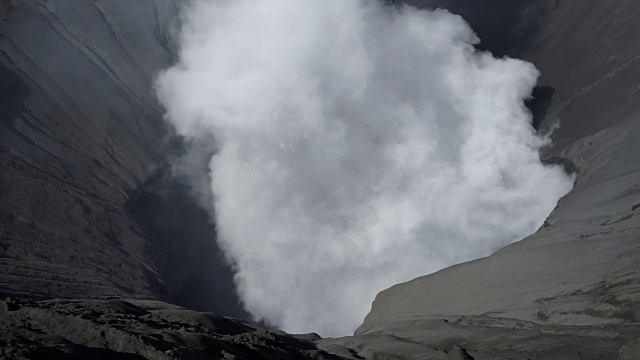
[[579, 273], [89, 208], [80, 130]]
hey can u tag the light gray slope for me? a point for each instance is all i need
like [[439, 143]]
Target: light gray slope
[[581, 267], [79, 130], [486, 338], [581, 270], [570, 291]]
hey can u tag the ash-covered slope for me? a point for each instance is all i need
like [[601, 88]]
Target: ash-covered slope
[[571, 290], [80, 130], [85, 211]]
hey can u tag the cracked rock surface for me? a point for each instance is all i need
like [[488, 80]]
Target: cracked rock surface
[[137, 329]]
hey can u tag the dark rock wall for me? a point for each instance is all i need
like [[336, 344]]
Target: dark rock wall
[[79, 130], [183, 246], [88, 205], [505, 27]]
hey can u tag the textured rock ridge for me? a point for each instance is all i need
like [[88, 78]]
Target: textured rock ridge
[[138, 329]]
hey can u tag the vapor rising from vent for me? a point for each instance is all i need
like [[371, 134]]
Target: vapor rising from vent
[[358, 145]]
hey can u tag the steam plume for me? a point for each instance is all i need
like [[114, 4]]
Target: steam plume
[[359, 145]]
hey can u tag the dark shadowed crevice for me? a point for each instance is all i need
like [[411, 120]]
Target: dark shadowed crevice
[[539, 104], [569, 166], [12, 94], [182, 245]]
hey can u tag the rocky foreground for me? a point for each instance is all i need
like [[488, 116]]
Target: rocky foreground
[[137, 329]]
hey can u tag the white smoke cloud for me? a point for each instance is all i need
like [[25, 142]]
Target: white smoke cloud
[[359, 146]]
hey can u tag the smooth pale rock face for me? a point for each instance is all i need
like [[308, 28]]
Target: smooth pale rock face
[[579, 274], [79, 130]]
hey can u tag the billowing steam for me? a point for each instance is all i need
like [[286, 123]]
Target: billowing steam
[[358, 145]]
